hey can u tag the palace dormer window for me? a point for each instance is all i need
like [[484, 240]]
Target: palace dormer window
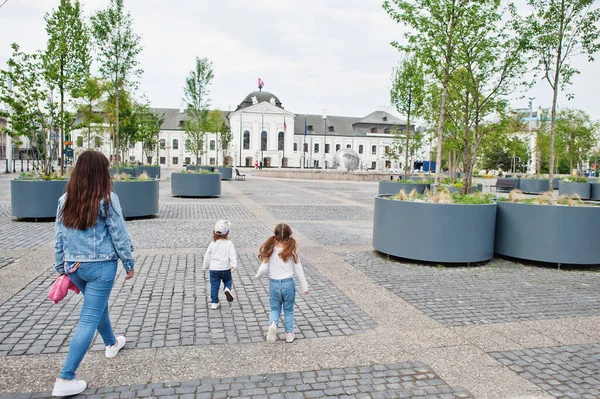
[[385, 118], [331, 129], [373, 130], [309, 128]]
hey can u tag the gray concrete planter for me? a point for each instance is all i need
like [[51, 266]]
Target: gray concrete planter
[[195, 185], [452, 189], [129, 171], [226, 173], [35, 198], [450, 233], [201, 167], [581, 189], [533, 186], [548, 233], [556, 183], [392, 187], [595, 191], [137, 198], [152, 171]]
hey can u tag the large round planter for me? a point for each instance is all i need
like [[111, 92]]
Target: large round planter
[[391, 187], [137, 198], [226, 173], [452, 189], [152, 171], [583, 190], [201, 167], [595, 191], [533, 186], [195, 184], [35, 198], [129, 171], [449, 233], [548, 233]]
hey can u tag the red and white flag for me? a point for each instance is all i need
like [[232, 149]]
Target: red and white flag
[[284, 125], [260, 82]]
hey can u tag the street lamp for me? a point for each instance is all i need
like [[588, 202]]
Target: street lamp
[[530, 138], [325, 144]]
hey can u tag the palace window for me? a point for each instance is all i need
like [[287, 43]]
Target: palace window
[[360, 149], [175, 144], [374, 149], [246, 140], [212, 145], [280, 141], [263, 141], [327, 148], [337, 147], [331, 129], [175, 160], [295, 147], [316, 148], [373, 130]]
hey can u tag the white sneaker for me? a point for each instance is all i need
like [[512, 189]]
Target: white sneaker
[[111, 351], [272, 334], [214, 306], [68, 387], [289, 337], [228, 294]]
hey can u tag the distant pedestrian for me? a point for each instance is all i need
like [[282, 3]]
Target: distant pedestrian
[[220, 259], [89, 237], [256, 165], [260, 165], [280, 258]]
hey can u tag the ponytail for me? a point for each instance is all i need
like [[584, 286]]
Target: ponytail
[[267, 249]]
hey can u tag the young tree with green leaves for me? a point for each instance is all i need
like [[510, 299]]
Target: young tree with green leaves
[[433, 30], [89, 98], [24, 92], [196, 97], [226, 137], [579, 133], [560, 30], [149, 129], [408, 96], [117, 48], [67, 59]]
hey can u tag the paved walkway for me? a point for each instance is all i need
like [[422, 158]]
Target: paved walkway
[[371, 327]]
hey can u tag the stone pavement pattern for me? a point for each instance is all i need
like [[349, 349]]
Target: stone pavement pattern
[[371, 326]]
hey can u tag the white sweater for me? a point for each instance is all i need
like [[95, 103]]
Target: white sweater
[[279, 270], [220, 255]]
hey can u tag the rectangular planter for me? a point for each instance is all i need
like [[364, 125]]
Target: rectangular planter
[[392, 187], [35, 198], [452, 233], [533, 186], [226, 173], [195, 185], [595, 191], [548, 233], [129, 171], [201, 167], [137, 198], [152, 171], [583, 190]]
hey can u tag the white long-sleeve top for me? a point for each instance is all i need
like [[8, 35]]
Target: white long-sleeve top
[[220, 255], [279, 270]]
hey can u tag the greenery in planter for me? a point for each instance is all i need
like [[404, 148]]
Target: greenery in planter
[[37, 177], [126, 177], [198, 172], [575, 179], [546, 198], [443, 196]]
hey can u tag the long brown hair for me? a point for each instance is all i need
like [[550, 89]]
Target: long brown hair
[[218, 236], [281, 235], [89, 184]]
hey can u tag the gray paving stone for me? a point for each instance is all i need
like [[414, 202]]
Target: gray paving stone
[[572, 362], [321, 212], [497, 292]]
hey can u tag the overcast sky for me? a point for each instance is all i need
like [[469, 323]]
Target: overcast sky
[[312, 54]]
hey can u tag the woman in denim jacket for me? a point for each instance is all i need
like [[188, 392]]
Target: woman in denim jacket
[[90, 236]]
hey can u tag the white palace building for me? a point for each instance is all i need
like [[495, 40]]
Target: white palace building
[[263, 131]]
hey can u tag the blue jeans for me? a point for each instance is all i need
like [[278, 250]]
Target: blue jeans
[[95, 280], [216, 276], [282, 294]]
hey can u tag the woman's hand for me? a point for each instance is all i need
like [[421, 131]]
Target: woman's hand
[[306, 293], [58, 275], [129, 274]]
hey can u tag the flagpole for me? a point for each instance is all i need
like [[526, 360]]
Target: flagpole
[[284, 133], [262, 129], [304, 145], [240, 160]]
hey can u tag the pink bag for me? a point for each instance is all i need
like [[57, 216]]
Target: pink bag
[[59, 289]]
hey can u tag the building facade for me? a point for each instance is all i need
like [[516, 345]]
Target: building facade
[[265, 132]]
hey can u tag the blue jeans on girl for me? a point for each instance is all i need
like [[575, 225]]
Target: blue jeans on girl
[[216, 276], [95, 280], [282, 294]]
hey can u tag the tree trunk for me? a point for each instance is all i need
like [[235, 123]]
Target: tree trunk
[[555, 95], [407, 146], [62, 119]]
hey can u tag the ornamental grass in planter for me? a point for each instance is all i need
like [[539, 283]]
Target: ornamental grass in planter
[[575, 185], [200, 183], [455, 228], [394, 187], [548, 229], [457, 187], [138, 195], [35, 195]]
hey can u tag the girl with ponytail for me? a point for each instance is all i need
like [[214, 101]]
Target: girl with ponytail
[[280, 258]]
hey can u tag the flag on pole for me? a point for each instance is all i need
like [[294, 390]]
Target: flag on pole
[[260, 83], [284, 124]]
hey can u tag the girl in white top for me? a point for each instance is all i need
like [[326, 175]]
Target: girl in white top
[[221, 259], [279, 257]]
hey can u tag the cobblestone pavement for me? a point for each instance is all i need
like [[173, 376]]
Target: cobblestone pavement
[[168, 305], [564, 372], [401, 380], [371, 326], [497, 292]]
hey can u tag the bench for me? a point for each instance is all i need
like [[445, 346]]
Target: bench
[[504, 185], [239, 176]]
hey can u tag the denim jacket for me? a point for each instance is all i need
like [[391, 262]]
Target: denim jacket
[[106, 240]]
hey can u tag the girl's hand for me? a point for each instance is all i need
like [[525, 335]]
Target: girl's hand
[[306, 293], [58, 275], [233, 269], [129, 274]]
